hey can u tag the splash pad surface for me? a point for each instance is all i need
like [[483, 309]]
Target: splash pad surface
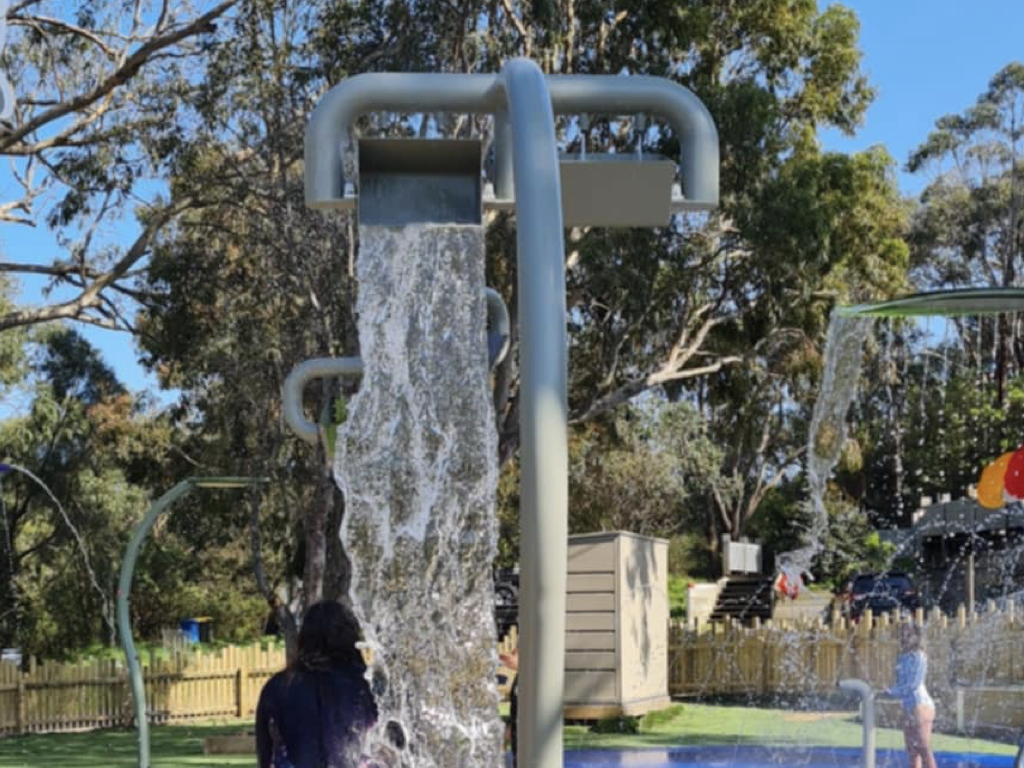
[[763, 757]]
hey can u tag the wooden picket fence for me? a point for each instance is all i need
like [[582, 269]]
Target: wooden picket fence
[[180, 686], [810, 657], [984, 650], [95, 693]]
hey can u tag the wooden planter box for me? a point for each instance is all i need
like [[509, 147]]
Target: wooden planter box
[[616, 633]]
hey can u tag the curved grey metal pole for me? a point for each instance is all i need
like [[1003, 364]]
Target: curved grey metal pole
[[499, 327], [317, 368], [124, 625], [867, 698], [543, 511], [328, 135], [124, 588]]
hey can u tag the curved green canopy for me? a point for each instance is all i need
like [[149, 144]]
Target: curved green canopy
[[961, 301]]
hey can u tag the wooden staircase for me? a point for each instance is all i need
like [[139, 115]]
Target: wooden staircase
[[744, 598]]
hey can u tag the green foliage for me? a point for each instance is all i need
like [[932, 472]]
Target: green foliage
[[620, 724], [641, 472], [104, 457], [678, 594], [850, 546], [688, 553], [782, 518]]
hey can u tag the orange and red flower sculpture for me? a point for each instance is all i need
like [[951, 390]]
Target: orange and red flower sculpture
[[1002, 481]]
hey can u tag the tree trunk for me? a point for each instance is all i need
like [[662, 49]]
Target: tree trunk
[[316, 529], [285, 618]]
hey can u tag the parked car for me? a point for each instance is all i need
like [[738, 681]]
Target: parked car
[[881, 593]]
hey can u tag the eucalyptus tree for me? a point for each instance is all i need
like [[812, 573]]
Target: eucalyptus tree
[[246, 285], [97, 86], [969, 229]]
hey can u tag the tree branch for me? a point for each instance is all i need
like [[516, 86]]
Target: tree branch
[[132, 64], [65, 26], [89, 298]]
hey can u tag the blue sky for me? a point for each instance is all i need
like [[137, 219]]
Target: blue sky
[[926, 58]]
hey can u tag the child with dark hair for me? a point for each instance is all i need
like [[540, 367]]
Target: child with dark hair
[[315, 713]]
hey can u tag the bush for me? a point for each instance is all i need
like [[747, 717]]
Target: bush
[[621, 724], [678, 595]]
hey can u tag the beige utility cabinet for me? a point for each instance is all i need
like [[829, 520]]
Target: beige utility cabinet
[[616, 628]]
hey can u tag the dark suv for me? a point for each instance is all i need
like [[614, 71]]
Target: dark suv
[[882, 593]]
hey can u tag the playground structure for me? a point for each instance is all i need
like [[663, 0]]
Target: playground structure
[[124, 588], [400, 182]]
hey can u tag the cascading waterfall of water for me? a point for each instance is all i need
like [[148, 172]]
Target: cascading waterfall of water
[[827, 435], [416, 461]]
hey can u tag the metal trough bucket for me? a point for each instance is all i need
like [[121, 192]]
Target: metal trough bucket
[[407, 181], [410, 181], [616, 190]]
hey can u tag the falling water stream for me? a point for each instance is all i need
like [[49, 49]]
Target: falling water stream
[[416, 461], [827, 434]]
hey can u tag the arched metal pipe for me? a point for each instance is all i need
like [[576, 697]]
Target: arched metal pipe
[[317, 368], [543, 419], [124, 588], [329, 137]]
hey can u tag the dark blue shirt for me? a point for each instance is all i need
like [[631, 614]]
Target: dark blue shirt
[[314, 719]]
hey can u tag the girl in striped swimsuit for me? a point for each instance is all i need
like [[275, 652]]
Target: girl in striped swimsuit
[[918, 706]]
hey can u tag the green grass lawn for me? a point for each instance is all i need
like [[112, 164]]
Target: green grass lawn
[[700, 724], [182, 745]]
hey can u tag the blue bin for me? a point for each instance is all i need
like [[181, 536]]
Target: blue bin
[[198, 629], [190, 630]]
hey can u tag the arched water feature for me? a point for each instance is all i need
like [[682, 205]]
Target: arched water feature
[[416, 456], [412, 456]]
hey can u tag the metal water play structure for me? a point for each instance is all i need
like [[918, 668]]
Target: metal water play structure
[[992, 486], [124, 588], [401, 181]]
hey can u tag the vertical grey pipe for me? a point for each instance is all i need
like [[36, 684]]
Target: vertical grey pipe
[[503, 173], [124, 625], [867, 709], [543, 419]]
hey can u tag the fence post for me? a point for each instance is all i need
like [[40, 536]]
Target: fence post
[[241, 674], [19, 704], [766, 663]]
